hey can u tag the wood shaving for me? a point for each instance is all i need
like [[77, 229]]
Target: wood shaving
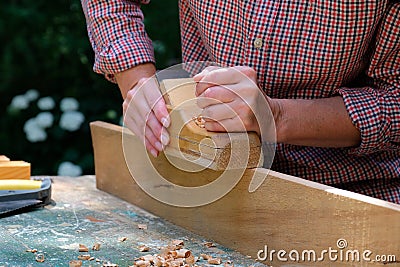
[[107, 264], [83, 248], [209, 244], [177, 242], [144, 248], [183, 253], [141, 263], [84, 257], [91, 258], [199, 121], [32, 250], [214, 261], [39, 257], [205, 256], [122, 239], [142, 226], [96, 246], [75, 263]]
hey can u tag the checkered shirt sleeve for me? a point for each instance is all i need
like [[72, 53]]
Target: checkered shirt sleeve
[[375, 111], [117, 34]]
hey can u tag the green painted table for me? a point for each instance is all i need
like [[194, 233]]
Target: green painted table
[[81, 214]]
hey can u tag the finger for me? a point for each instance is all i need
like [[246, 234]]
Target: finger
[[228, 125], [158, 130], [200, 75], [219, 112], [146, 141], [156, 102], [222, 76], [152, 139], [215, 95], [151, 148]]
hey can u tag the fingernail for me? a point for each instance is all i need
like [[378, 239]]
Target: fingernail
[[159, 146], [165, 122], [154, 153], [164, 138]]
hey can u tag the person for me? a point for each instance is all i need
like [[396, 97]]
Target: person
[[330, 71]]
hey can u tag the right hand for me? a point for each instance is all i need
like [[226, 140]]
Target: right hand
[[146, 115]]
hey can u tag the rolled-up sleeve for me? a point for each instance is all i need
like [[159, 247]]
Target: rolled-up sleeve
[[117, 34], [375, 110]]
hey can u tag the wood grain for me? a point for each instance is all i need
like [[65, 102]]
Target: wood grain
[[15, 170], [285, 213]]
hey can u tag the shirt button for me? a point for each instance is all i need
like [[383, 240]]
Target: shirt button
[[258, 43]]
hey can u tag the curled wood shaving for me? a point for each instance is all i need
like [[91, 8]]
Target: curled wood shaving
[[83, 248], [122, 239], [199, 121], [144, 248], [214, 261], [96, 246], [183, 253], [75, 263], [142, 226], [108, 264], [39, 257]]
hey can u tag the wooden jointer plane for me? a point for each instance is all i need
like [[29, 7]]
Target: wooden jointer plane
[[286, 213], [189, 139]]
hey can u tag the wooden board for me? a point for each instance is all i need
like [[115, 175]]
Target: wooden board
[[15, 170], [218, 151], [285, 213]]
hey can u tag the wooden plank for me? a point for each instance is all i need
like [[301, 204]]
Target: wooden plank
[[4, 158], [285, 213], [220, 151], [15, 170]]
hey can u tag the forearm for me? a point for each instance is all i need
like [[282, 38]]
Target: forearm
[[128, 79], [315, 122]]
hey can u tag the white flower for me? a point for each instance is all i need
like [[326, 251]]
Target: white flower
[[44, 119], [19, 102], [67, 168], [46, 103], [32, 94], [34, 133], [71, 120], [69, 104]]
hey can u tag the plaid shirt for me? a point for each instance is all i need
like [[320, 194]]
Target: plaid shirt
[[300, 49]]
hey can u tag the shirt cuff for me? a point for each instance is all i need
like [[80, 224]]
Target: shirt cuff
[[124, 54], [375, 113]]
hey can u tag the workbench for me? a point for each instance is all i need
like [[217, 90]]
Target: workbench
[[82, 214]]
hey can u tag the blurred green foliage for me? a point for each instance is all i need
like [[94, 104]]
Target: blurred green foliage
[[45, 46]]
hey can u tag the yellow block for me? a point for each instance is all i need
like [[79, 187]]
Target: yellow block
[[15, 170], [3, 158], [13, 184]]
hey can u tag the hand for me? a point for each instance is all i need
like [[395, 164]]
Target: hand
[[230, 99], [146, 115]]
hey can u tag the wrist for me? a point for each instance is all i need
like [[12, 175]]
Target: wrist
[[129, 78], [278, 111]]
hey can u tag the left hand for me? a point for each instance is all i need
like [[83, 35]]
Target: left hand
[[230, 99]]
